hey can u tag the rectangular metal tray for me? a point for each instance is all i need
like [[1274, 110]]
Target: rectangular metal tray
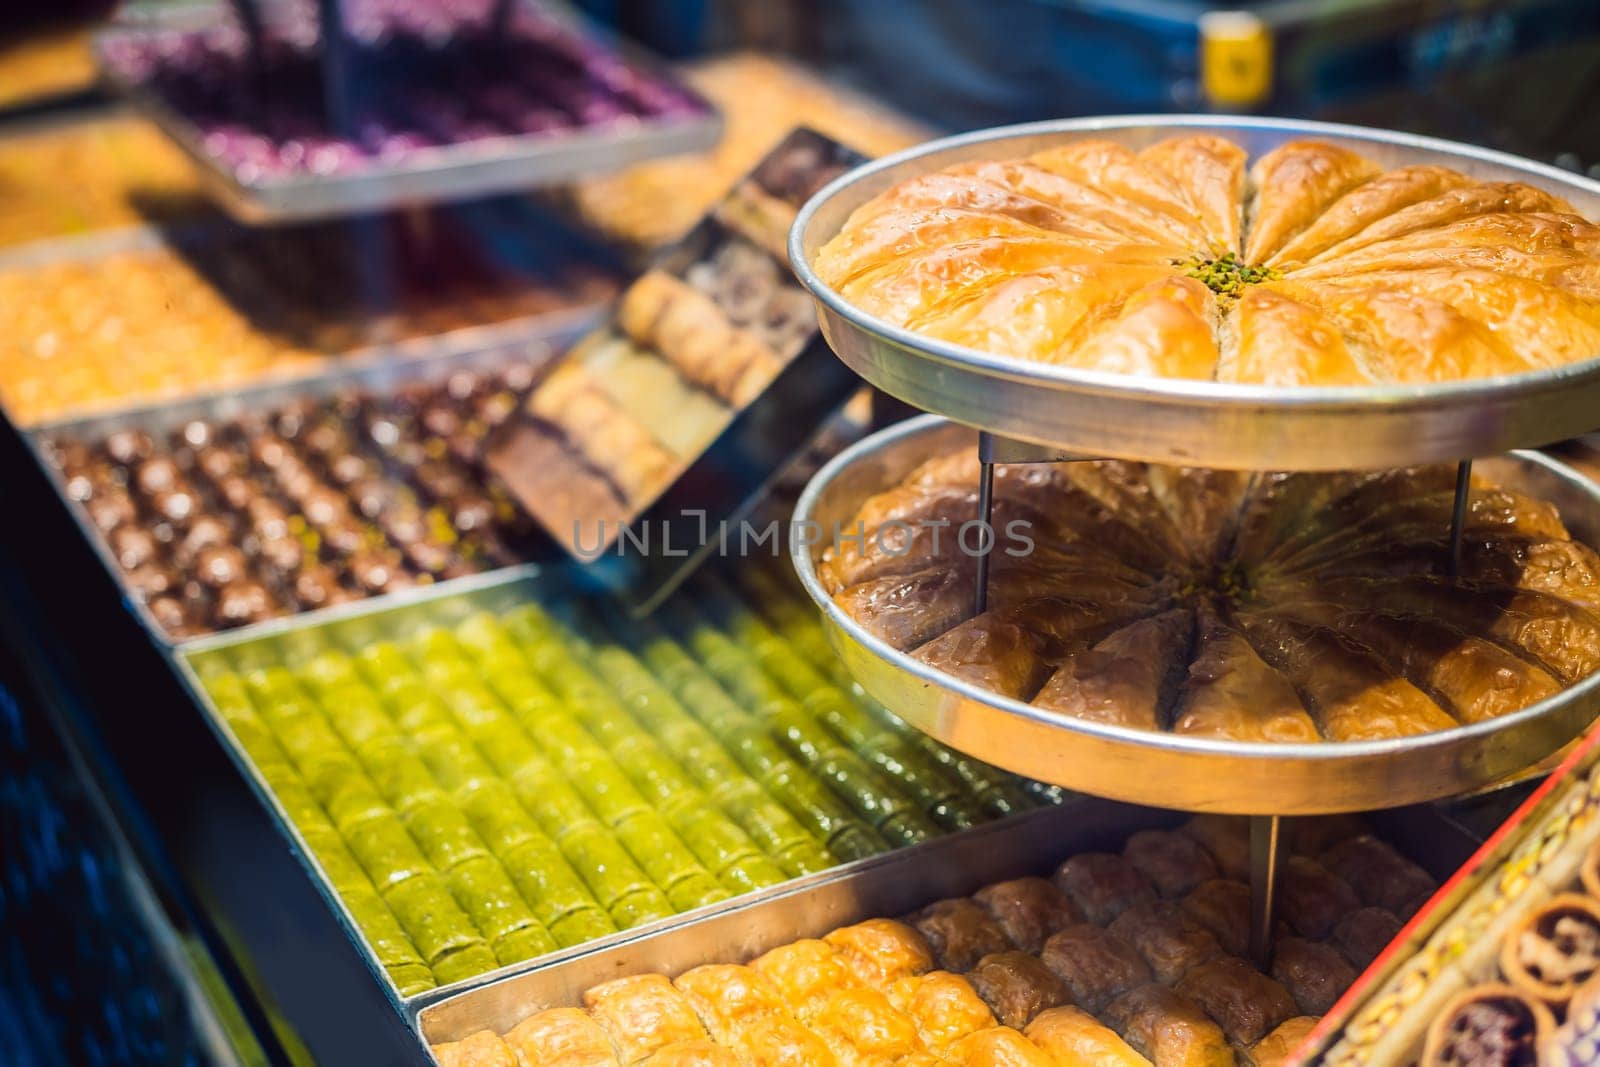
[[1454, 941], [561, 324], [452, 602], [1027, 844], [452, 172], [534, 341]]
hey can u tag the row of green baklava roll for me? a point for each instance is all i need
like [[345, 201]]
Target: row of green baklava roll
[[507, 784]]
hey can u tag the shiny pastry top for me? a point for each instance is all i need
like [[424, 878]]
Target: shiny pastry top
[[1312, 267]]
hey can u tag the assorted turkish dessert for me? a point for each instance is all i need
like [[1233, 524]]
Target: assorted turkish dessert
[[1122, 959], [632, 405], [89, 176], [696, 340], [1510, 977], [1255, 607], [1312, 266], [225, 522], [512, 781], [652, 204], [1546, 1011], [426, 76], [228, 306]]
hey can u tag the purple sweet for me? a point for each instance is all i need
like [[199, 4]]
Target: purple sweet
[[425, 73]]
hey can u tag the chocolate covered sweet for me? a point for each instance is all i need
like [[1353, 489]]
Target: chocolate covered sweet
[[220, 524]]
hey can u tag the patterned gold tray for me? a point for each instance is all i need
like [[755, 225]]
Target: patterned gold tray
[[1452, 943]]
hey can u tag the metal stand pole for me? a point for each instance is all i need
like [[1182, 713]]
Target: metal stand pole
[[1458, 516], [1266, 837], [980, 594]]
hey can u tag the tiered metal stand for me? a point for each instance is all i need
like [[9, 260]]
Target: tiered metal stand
[[1027, 413]]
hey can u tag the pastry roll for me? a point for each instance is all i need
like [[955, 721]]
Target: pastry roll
[[1170, 941], [1029, 910], [1047, 177], [880, 950], [606, 435], [1281, 339], [780, 1041], [1210, 171], [1096, 966], [1102, 884], [1127, 678], [696, 337], [1488, 1024], [1476, 678], [859, 1025], [1294, 185], [1202, 505], [1352, 697], [1314, 973], [1222, 906], [1174, 863], [908, 610], [1017, 986], [1554, 949], [567, 1037], [1566, 569], [943, 1006], [991, 652], [1311, 899], [1134, 179], [959, 932], [1162, 329], [998, 1046], [1452, 205], [727, 998], [911, 527], [1242, 1000], [1231, 691], [1071, 1036], [700, 1053], [804, 972], [641, 1014], [1563, 637], [1275, 1049], [1355, 211], [482, 1049], [1363, 934], [1168, 1028], [1226, 838], [1380, 876]]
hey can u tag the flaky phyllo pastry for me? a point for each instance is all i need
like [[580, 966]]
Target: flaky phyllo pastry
[[1267, 607], [1314, 267]]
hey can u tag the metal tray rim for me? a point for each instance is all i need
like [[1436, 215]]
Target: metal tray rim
[[791, 887], [1185, 392], [410, 1007], [1327, 752]]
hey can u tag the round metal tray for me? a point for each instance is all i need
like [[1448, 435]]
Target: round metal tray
[[1214, 424], [1166, 770]]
